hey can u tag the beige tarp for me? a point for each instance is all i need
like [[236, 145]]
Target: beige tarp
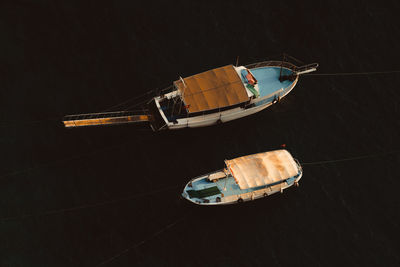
[[217, 88], [262, 168]]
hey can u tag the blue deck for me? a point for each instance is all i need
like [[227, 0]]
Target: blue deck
[[268, 79], [231, 186]]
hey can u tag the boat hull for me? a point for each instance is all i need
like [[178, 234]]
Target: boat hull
[[257, 105], [242, 197]]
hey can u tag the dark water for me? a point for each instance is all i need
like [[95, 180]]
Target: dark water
[[60, 58]]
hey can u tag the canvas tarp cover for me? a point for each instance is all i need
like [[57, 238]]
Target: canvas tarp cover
[[262, 168], [217, 88]]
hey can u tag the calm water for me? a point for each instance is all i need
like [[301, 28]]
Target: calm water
[[60, 58]]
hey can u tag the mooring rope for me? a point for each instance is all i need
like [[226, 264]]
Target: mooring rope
[[86, 206], [82, 155], [351, 158], [351, 73], [21, 123], [136, 245]]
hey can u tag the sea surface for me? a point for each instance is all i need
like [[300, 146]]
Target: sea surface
[[109, 196]]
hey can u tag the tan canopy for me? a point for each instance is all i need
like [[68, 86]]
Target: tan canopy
[[262, 168], [217, 88]]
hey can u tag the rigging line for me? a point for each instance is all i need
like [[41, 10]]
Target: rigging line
[[15, 123], [351, 73], [86, 206], [143, 241], [136, 104], [351, 158], [61, 160], [130, 99], [137, 97]]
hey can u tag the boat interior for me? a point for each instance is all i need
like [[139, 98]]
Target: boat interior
[[173, 108], [268, 79]]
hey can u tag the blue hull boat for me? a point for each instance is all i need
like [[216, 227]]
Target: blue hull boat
[[245, 178]]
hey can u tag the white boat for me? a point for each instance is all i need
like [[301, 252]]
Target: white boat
[[211, 97], [245, 178]]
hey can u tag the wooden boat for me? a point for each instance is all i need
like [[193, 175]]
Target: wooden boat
[[212, 97], [245, 178]]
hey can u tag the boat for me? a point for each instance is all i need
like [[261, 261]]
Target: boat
[[212, 97], [245, 178]]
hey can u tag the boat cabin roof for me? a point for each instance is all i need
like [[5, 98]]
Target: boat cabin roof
[[216, 88], [262, 168]]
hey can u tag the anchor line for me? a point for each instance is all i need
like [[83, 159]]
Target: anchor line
[[351, 158], [136, 245], [352, 73], [78, 156], [94, 205]]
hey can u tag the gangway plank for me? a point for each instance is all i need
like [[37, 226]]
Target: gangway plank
[[98, 119]]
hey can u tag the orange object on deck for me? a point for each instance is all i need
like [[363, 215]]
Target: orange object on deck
[[250, 78]]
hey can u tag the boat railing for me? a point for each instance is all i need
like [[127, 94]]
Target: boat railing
[[272, 63], [306, 68], [285, 64], [166, 90], [205, 175], [114, 114]]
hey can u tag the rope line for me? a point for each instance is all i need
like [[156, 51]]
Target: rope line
[[351, 73], [162, 230], [351, 158], [61, 160], [130, 99], [86, 206], [16, 123]]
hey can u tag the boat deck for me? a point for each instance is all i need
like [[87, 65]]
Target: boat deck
[[268, 79], [229, 183], [202, 189]]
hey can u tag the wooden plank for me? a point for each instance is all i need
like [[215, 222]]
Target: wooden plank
[[187, 98], [225, 86], [210, 94], [236, 87], [106, 121], [222, 97], [195, 90], [217, 88]]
